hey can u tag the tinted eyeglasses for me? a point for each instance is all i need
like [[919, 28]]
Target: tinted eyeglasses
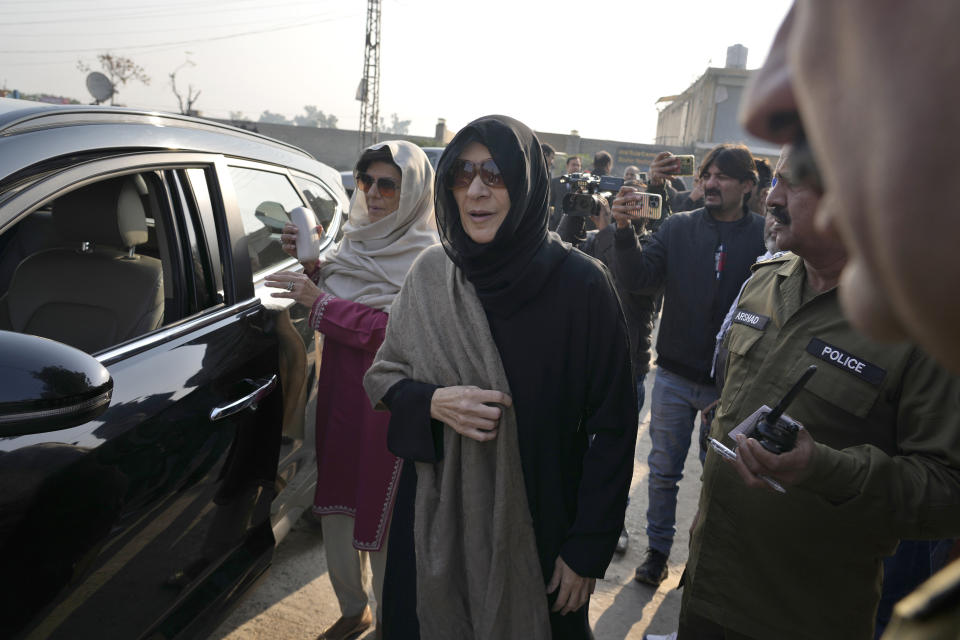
[[462, 173], [386, 186]]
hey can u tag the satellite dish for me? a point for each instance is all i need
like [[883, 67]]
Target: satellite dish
[[99, 86]]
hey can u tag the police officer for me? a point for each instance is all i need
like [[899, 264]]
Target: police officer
[[879, 458]]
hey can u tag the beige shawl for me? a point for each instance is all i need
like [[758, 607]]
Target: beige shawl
[[478, 573], [372, 259]]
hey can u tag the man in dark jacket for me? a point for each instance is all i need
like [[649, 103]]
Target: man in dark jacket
[[701, 259]]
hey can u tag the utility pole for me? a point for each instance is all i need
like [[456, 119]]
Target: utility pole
[[368, 93]]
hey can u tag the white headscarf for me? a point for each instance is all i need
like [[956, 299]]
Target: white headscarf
[[372, 259]]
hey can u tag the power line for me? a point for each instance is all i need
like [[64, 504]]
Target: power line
[[134, 31], [159, 12], [179, 43]]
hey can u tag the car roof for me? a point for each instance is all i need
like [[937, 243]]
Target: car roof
[[32, 132]]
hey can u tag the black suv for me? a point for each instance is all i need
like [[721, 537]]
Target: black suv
[[156, 439]]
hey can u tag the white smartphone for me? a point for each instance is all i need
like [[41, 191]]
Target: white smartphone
[[308, 238]]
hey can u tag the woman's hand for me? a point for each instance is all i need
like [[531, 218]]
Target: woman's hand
[[288, 242], [467, 410], [297, 286], [575, 590]]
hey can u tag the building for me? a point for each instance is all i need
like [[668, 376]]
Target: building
[[706, 113]]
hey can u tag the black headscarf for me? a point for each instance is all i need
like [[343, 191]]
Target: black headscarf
[[512, 268]]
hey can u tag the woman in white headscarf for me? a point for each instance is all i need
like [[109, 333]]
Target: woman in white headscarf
[[391, 221]]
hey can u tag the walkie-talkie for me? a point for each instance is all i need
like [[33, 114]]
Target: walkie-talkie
[[771, 430]]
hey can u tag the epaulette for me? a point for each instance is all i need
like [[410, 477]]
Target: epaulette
[[778, 258], [940, 592]]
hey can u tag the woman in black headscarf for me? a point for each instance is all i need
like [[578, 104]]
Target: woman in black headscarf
[[505, 365]]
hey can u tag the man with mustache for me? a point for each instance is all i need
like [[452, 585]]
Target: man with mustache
[[700, 259], [832, 78], [878, 458]]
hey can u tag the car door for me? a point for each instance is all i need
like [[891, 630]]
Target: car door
[[260, 197], [149, 520]]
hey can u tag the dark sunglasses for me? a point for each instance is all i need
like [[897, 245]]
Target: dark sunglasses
[[386, 186], [462, 173]]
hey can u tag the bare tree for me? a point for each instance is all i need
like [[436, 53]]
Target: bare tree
[[118, 69], [186, 106]]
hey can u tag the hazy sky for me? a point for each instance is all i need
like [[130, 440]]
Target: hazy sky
[[597, 67]]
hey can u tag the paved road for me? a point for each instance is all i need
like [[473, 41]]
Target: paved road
[[296, 601]]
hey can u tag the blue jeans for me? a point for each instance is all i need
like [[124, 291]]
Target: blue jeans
[[674, 408]]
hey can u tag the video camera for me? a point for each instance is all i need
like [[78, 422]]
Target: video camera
[[587, 193]]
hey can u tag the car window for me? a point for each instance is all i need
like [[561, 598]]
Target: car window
[[265, 200], [97, 266], [322, 203]]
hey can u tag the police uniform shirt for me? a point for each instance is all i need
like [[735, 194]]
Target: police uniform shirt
[[886, 420]]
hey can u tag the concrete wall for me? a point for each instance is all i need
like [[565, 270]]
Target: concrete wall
[[338, 148]]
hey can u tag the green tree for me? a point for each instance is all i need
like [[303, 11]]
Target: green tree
[[270, 117], [401, 127], [313, 117]]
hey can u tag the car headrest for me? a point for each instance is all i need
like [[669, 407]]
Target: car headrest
[[108, 212]]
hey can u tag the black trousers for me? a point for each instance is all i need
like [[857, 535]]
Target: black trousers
[[694, 627], [399, 621]]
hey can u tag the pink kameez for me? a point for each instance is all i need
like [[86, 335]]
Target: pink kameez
[[356, 474]]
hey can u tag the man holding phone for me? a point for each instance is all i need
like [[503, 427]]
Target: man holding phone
[[700, 259]]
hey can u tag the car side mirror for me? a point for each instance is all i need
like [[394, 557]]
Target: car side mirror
[[48, 386]]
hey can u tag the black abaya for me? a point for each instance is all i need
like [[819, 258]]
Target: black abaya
[[566, 358], [561, 336]]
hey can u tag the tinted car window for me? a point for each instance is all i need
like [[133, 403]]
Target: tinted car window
[[265, 200], [323, 205], [98, 266]]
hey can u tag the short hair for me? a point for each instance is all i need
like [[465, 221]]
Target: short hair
[[632, 169], [602, 159], [547, 149], [571, 159], [764, 172]]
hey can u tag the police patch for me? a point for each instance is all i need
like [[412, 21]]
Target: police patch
[[751, 319], [846, 361]]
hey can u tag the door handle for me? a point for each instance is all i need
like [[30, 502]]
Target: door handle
[[248, 401]]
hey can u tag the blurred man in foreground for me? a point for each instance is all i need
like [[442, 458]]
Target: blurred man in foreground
[[878, 458], [865, 107]]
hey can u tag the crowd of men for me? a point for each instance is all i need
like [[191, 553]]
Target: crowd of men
[[753, 293]]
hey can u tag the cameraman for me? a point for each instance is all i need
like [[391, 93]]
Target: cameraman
[[639, 310]]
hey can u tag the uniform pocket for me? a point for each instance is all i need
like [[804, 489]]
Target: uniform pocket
[[840, 389], [741, 339]]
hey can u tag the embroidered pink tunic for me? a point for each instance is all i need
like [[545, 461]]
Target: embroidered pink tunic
[[356, 475]]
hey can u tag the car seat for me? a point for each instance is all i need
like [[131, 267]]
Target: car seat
[[95, 291]]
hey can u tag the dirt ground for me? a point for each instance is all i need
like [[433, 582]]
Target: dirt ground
[[296, 600]]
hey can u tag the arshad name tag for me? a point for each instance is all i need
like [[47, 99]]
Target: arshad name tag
[[751, 319]]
